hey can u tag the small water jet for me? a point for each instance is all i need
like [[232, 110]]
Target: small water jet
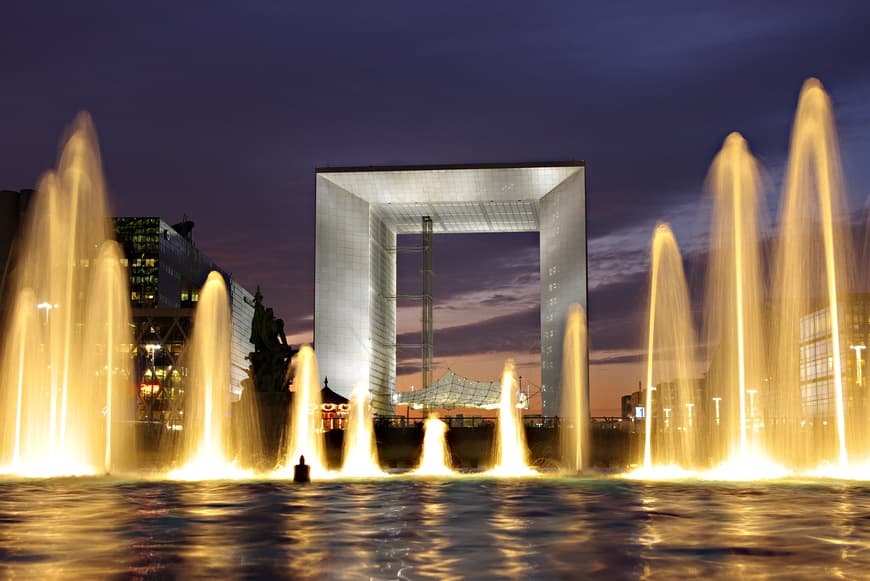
[[305, 434], [68, 324], [511, 452], [360, 451], [206, 438], [575, 405], [435, 458]]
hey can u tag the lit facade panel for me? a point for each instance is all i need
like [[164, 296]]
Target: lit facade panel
[[563, 278], [242, 307], [382, 321], [355, 318], [816, 364], [465, 184], [465, 217], [359, 214]]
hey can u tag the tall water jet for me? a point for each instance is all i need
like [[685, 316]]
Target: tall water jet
[[360, 451], [511, 453], [735, 290], [108, 312], [206, 450], [305, 434], [21, 348], [435, 458], [670, 346], [58, 420], [813, 261], [575, 405]]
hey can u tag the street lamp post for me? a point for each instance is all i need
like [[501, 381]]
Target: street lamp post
[[689, 408], [716, 401], [47, 307], [752, 393], [152, 349], [858, 375]]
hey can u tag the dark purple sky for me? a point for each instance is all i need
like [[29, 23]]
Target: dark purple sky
[[223, 111]]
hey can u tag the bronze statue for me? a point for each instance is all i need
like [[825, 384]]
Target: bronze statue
[[270, 359]]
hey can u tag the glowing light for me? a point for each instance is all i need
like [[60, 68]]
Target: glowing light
[[858, 376], [752, 465]]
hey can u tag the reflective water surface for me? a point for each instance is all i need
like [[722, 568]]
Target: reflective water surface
[[402, 528]]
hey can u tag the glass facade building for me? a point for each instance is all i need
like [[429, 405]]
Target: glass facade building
[[359, 212], [817, 364], [166, 271]]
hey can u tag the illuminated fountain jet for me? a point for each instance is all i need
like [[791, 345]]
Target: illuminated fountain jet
[[435, 459], [64, 371], [813, 260], [670, 439], [206, 438], [575, 406], [305, 434], [360, 450], [733, 304], [511, 452]]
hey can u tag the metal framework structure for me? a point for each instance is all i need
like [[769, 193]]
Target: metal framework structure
[[453, 391], [427, 331]]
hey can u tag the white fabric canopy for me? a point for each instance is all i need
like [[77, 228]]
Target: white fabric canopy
[[455, 391]]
